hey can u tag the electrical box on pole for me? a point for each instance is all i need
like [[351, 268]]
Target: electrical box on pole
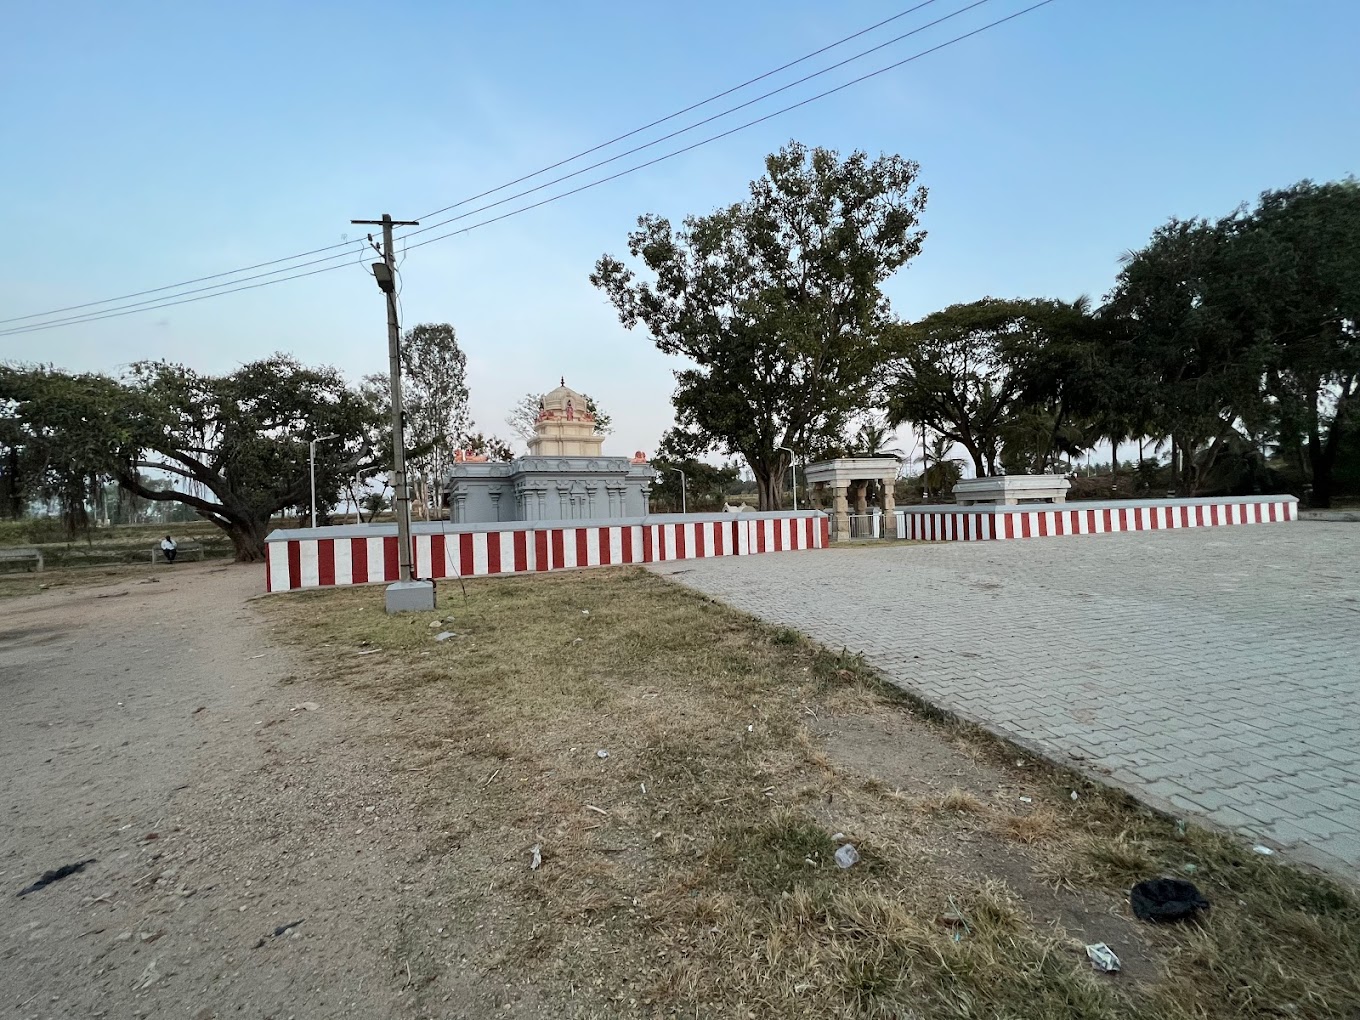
[[406, 594]]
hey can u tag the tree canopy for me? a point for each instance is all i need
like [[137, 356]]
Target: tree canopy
[[1229, 338], [435, 397], [234, 447], [775, 301], [1008, 380], [1246, 329]]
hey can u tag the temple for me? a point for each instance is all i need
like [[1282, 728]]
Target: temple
[[565, 426], [565, 476]]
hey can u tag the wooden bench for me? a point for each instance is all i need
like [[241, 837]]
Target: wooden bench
[[1012, 489], [24, 555], [186, 550]]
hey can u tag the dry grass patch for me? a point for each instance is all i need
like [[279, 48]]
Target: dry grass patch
[[1035, 827], [691, 871], [958, 801]]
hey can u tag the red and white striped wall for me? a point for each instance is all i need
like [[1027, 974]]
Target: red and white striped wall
[[1045, 520], [362, 554]]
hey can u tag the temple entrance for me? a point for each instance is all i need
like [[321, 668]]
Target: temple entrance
[[857, 494]]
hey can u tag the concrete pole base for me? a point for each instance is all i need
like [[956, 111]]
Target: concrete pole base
[[410, 597]]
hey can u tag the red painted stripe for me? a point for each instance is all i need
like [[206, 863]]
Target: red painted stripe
[[519, 554], [439, 558], [559, 548], [542, 561], [606, 552], [465, 565], [1059, 524], [648, 554], [1010, 525], [325, 562], [700, 546], [294, 564], [681, 552], [583, 547], [391, 566], [1271, 509], [626, 545], [760, 536], [358, 558], [1043, 523], [268, 581], [493, 552]]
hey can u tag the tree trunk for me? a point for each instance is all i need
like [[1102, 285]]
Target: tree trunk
[[1321, 459], [979, 462], [15, 494], [247, 538], [769, 486], [1322, 452]]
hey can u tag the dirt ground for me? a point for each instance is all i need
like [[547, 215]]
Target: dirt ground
[[229, 784], [147, 725]]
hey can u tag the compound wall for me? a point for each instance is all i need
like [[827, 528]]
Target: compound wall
[[364, 554]]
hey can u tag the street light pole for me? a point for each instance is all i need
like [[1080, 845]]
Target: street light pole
[[684, 504], [312, 459], [793, 465]]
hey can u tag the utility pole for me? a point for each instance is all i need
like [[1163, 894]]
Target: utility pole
[[385, 272]]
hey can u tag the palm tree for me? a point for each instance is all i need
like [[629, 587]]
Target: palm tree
[[872, 441], [944, 471]]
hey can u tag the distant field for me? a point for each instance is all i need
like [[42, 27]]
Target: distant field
[[124, 543]]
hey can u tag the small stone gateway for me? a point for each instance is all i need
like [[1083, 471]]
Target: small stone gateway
[[836, 484]]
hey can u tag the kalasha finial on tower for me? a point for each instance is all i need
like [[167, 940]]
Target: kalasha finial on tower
[[562, 380]]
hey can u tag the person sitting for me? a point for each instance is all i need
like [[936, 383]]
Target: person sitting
[[168, 548]]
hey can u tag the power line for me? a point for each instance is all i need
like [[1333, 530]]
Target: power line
[[150, 304], [690, 127], [734, 130], [688, 109], [473, 198], [184, 283], [153, 302], [97, 317]]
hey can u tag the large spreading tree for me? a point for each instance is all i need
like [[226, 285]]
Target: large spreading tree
[[1010, 381], [233, 447], [1295, 289], [775, 303], [1248, 329]]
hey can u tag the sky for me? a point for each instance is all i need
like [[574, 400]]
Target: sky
[[149, 143]]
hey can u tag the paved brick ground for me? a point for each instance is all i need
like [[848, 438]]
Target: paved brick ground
[[1215, 673]]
